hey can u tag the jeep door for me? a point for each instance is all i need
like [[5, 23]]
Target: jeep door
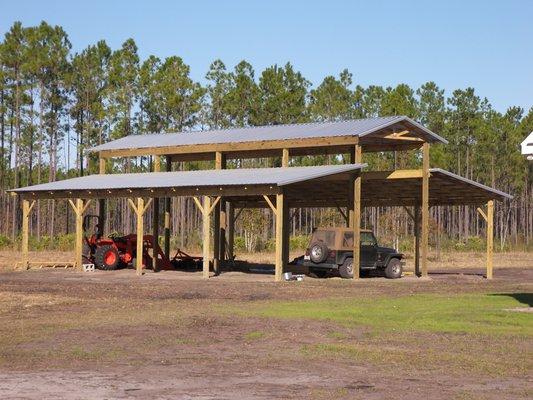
[[369, 250]]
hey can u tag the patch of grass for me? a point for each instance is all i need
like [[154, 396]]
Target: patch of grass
[[469, 313], [336, 335], [254, 335]]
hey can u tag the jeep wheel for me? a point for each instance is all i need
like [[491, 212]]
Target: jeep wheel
[[346, 269], [394, 269], [318, 252]]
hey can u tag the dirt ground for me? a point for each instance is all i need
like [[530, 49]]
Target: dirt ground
[[172, 335]]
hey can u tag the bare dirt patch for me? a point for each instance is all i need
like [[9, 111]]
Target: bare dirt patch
[[70, 335]]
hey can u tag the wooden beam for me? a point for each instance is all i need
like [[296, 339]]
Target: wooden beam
[[349, 207], [206, 236], [79, 234], [490, 237], [280, 200], [402, 136], [220, 163], [155, 221], [167, 214], [229, 148], [482, 213], [27, 206], [416, 219], [101, 202], [231, 231], [270, 204], [397, 174], [425, 210], [357, 216], [285, 157], [155, 234], [140, 235]]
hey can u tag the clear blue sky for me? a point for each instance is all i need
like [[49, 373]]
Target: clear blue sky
[[484, 44]]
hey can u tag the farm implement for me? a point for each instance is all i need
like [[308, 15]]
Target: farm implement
[[121, 251]]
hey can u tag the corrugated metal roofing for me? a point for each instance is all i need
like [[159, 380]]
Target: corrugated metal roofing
[[358, 127], [449, 174], [203, 178]]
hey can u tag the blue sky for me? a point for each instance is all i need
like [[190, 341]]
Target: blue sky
[[484, 44]]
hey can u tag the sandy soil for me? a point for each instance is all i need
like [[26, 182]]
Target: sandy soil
[[114, 335]]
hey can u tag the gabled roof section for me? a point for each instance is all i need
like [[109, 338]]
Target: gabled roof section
[[271, 133]]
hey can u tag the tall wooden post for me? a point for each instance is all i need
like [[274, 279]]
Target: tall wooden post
[[101, 202], [219, 224], [167, 213], [155, 220], [206, 236], [26, 212], [357, 216], [349, 207], [490, 237], [140, 236], [79, 233], [280, 235], [285, 217], [231, 231], [425, 209], [79, 209], [416, 217], [139, 208]]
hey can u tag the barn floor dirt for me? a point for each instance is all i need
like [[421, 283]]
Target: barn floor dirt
[[172, 335]]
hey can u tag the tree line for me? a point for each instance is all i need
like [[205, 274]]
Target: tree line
[[56, 103]]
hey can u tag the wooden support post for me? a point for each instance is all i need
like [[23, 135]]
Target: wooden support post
[[79, 209], [101, 202], [231, 231], [139, 209], [357, 216], [280, 210], [219, 228], [206, 236], [349, 207], [155, 234], [416, 220], [167, 213], [155, 221], [425, 210], [206, 209], [27, 206], [140, 236], [490, 237], [285, 158]]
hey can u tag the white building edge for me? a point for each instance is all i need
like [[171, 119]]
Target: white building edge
[[527, 147]]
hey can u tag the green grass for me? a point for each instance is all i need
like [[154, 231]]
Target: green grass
[[254, 335], [470, 313]]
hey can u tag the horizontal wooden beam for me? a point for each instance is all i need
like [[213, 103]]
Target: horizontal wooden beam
[[233, 147], [248, 190], [397, 174]]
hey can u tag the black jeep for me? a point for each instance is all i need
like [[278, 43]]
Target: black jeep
[[331, 249]]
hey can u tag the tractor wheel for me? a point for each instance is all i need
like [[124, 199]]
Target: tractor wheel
[[394, 269], [106, 257]]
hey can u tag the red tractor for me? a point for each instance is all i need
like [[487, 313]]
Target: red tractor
[[121, 251]]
